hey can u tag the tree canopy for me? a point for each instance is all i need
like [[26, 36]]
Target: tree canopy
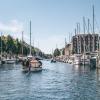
[[56, 52], [14, 46]]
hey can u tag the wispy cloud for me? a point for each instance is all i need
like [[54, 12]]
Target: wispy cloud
[[11, 26]]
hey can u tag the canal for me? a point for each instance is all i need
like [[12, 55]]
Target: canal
[[57, 81]]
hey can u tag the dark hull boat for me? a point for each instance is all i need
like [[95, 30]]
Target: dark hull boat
[[53, 61]]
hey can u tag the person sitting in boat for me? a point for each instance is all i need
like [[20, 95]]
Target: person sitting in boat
[[40, 63], [27, 63], [23, 62]]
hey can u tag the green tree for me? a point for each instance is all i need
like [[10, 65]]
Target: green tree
[[18, 47], [63, 51], [56, 52], [10, 44]]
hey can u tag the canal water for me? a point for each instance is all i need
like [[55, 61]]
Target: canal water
[[57, 81]]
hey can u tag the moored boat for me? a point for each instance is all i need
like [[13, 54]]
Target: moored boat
[[85, 60], [93, 62], [32, 65], [10, 61], [53, 61], [77, 59]]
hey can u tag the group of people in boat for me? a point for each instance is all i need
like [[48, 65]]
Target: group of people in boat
[[27, 63]]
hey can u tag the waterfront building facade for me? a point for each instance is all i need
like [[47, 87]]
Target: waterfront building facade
[[68, 49], [85, 43]]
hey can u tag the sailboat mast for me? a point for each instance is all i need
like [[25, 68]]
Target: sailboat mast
[[30, 37], [84, 32], [88, 35], [93, 19], [65, 43], [79, 39], [22, 43], [93, 30], [88, 26], [1, 44], [84, 38], [77, 30], [52, 53]]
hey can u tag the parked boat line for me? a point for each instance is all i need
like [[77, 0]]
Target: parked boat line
[[79, 59]]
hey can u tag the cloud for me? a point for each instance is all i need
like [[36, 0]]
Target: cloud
[[15, 28], [11, 26]]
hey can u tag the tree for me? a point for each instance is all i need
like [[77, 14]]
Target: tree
[[10, 44], [14, 46], [56, 52], [18, 47], [63, 52]]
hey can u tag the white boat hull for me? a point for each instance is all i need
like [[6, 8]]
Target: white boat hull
[[77, 62], [10, 61], [70, 62]]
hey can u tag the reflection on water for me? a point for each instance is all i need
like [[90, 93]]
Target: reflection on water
[[57, 81], [98, 74], [83, 68]]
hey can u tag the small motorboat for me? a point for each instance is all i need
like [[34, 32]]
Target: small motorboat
[[53, 61], [32, 65]]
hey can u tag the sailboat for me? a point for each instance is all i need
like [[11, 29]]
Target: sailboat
[[31, 63]]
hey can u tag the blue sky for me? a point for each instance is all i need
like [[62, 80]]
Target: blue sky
[[52, 20]]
